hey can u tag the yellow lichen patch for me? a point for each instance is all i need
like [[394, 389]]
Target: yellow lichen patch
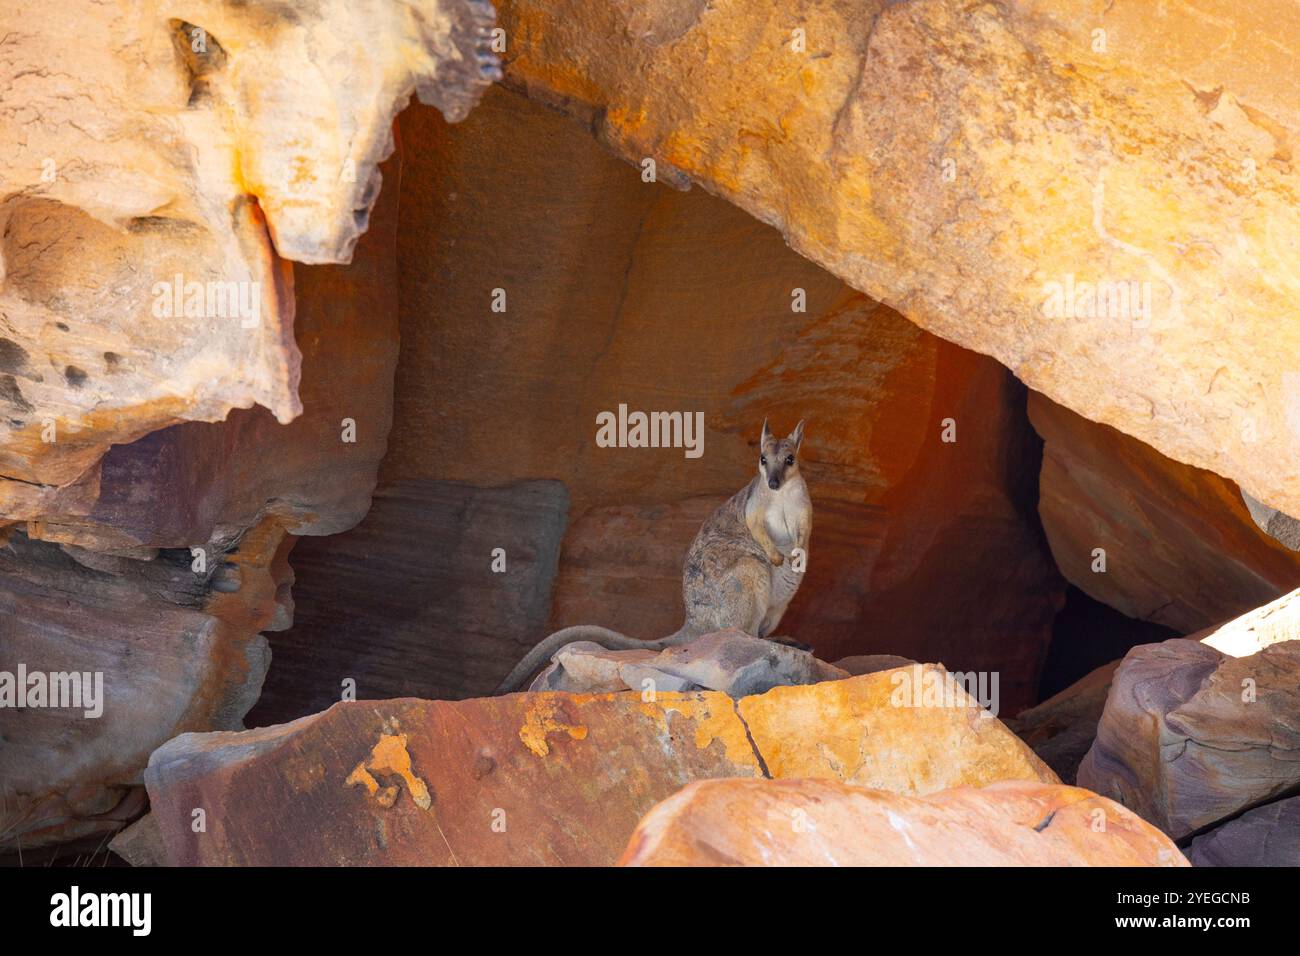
[[541, 719], [714, 717], [385, 797], [389, 757]]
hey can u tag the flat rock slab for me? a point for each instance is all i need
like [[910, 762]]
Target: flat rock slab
[[857, 664], [822, 823], [541, 778], [908, 730], [545, 779]]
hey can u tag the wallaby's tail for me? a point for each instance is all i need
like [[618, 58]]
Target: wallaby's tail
[[606, 638]]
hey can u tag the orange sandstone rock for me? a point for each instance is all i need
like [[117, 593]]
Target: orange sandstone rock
[[156, 185], [823, 823], [542, 778], [965, 164], [1180, 546], [622, 291], [910, 730]]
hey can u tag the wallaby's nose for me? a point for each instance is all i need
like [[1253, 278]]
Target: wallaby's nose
[[774, 483]]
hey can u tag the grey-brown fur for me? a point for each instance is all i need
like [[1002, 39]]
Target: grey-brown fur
[[737, 571]]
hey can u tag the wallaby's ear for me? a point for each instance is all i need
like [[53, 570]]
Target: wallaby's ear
[[796, 436], [762, 442]]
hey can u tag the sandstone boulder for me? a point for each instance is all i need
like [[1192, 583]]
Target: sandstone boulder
[[541, 778], [203, 484], [1191, 736], [1181, 548], [1274, 623], [588, 668], [155, 183], [140, 844], [1098, 194], [162, 649], [174, 549], [1273, 522], [536, 779], [822, 823], [889, 730]]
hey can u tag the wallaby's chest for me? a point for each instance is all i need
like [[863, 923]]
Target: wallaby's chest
[[783, 519]]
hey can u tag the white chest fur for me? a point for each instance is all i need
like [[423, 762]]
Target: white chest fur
[[785, 515]]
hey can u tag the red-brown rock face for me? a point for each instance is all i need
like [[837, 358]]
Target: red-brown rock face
[[239, 381], [1180, 546], [545, 778], [618, 291], [969, 164], [104, 580]]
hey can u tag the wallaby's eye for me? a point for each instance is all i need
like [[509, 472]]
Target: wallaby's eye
[[762, 459], [789, 460]]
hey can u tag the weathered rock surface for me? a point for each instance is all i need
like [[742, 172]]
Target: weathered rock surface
[[686, 304], [176, 652], [1181, 548], [175, 631], [407, 604], [1191, 736], [1266, 836], [141, 844], [888, 731], [524, 779], [173, 165], [1274, 523], [968, 164], [1263, 627], [201, 484], [822, 823], [539, 778], [588, 668], [1062, 728], [731, 661]]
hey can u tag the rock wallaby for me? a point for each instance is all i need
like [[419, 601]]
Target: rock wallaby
[[738, 571]]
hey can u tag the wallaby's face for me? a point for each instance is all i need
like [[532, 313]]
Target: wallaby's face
[[778, 458]]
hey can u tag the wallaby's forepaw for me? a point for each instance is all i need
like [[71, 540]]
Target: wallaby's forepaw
[[777, 558]]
